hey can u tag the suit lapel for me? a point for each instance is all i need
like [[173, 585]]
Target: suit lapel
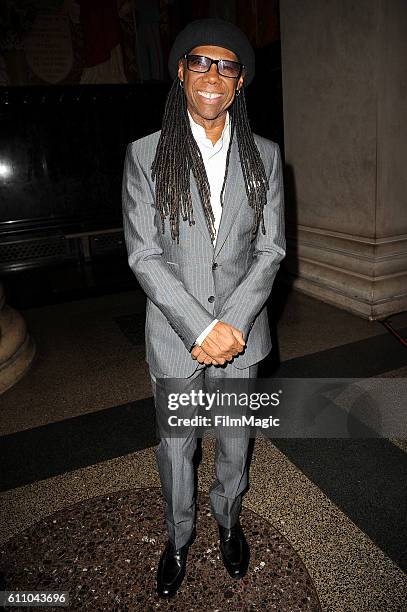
[[199, 214], [235, 192]]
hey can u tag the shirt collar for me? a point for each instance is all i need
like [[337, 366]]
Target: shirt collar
[[202, 140]]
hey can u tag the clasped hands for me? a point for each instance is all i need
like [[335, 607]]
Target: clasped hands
[[222, 344]]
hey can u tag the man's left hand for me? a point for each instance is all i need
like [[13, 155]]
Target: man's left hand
[[199, 354]]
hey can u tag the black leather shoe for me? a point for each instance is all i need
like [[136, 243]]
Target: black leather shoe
[[235, 550], [171, 568]]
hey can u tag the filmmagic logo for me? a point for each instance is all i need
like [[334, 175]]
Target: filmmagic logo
[[200, 398], [223, 421]]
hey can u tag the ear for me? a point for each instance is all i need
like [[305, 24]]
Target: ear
[[181, 69], [240, 82]]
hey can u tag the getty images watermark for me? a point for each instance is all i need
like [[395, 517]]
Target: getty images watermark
[[283, 407], [210, 400]]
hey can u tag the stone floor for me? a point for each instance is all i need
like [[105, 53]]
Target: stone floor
[[81, 508], [105, 552]]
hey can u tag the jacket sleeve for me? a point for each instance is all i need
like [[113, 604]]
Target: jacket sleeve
[[246, 301], [145, 255]]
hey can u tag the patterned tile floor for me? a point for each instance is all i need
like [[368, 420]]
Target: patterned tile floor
[[105, 551], [88, 381]]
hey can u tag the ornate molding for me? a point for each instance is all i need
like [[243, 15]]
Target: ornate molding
[[367, 276]]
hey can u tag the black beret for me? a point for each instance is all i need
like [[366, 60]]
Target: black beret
[[215, 32]]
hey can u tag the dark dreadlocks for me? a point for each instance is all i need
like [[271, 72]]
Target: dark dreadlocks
[[178, 153]]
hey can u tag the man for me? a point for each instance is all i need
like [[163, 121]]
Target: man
[[208, 275]]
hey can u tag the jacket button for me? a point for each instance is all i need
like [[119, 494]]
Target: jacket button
[[211, 298], [214, 265]]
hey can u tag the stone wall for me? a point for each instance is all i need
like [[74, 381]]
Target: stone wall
[[345, 130]]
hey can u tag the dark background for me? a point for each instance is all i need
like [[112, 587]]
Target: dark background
[[62, 144]]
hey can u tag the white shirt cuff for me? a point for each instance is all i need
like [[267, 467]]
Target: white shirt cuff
[[205, 332]]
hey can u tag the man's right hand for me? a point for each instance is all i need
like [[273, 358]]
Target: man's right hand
[[223, 342]]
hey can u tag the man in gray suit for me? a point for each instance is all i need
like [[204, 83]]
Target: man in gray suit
[[207, 277]]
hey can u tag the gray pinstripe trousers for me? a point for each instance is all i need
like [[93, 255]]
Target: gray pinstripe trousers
[[175, 462]]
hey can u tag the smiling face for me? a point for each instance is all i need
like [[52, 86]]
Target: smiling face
[[209, 94]]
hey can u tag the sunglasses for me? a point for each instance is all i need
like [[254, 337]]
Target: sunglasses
[[226, 68]]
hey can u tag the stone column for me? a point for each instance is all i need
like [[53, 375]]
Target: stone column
[[345, 128], [16, 347]]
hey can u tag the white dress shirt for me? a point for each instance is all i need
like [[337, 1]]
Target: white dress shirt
[[214, 159]]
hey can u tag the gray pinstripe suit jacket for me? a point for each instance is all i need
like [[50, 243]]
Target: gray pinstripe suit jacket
[[178, 279]]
